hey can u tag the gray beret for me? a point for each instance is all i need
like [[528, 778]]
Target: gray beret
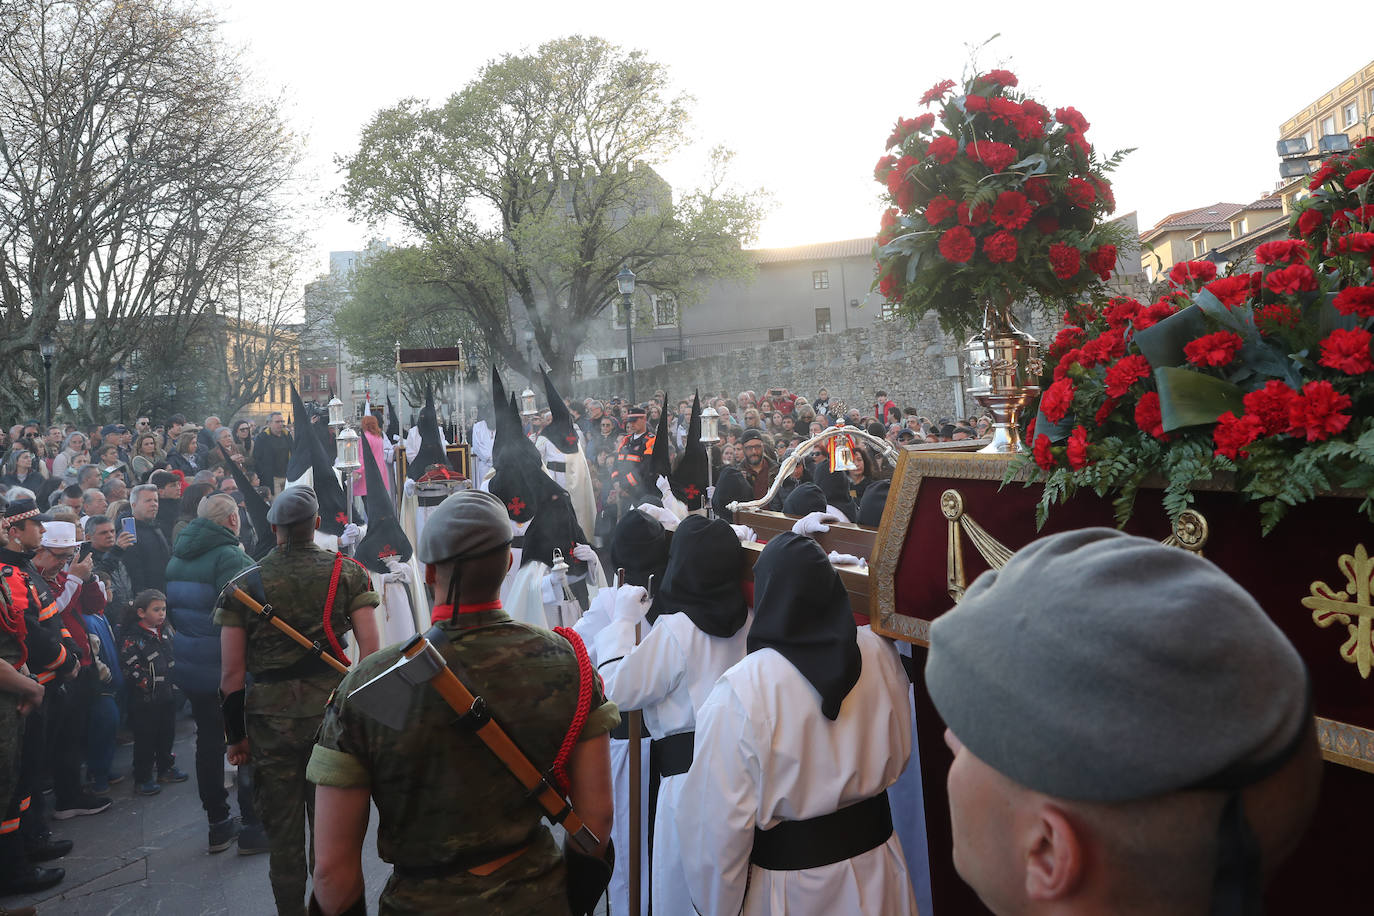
[[294, 504], [468, 523], [1097, 666]]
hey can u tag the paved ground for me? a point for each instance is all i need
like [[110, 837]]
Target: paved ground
[[148, 856]]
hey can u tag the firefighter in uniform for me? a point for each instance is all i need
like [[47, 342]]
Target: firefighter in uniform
[[459, 829], [274, 723], [631, 459]]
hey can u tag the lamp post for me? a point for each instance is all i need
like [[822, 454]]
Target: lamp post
[[625, 280], [46, 348], [710, 435], [121, 374]]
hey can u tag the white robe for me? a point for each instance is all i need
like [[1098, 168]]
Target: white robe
[[668, 675], [764, 754], [413, 443], [576, 479], [482, 441]]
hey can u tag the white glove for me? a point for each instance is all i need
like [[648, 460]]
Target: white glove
[[584, 552], [814, 524], [551, 588], [663, 486], [352, 534], [631, 604], [847, 559], [664, 516], [745, 534], [597, 617], [409, 487], [400, 572]]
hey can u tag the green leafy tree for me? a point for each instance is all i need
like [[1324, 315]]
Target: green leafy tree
[[532, 187]]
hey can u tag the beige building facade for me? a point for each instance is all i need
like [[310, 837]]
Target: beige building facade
[[1346, 109]]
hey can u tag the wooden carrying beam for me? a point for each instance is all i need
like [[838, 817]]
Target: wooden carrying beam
[[842, 537]]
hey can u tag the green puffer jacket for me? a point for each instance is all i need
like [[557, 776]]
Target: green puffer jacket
[[205, 557]]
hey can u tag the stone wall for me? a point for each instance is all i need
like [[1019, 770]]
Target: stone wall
[[916, 364]]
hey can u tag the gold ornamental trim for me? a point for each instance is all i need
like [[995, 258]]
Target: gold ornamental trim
[[1346, 744], [1335, 606]]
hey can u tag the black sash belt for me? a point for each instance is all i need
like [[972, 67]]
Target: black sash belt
[[517, 542], [622, 731], [824, 840], [429, 501], [556, 465], [672, 756]]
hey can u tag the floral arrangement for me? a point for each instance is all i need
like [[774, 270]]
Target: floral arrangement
[[1266, 373], [993, 199]]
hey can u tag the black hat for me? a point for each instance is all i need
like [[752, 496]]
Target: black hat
[[659, 461], [560, 430], [294, 504], [873, 502], [636, 411], [749, 435], [730, 487], [385, 537], [431, 446], [689, 478], [333, 507], [499, 416], [252, 501]]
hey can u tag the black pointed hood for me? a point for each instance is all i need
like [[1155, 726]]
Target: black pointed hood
[[431, 445], [385, 537], [263, 538], [689, 477], [393, 422], [301, 437], [560, 430], [731, 486], [518, 466], [660, 459], [554, 525], [499, 417], [333, 506]]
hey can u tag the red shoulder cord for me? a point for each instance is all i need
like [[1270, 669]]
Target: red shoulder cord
[[12, 618], [585, 673], [329, 610]]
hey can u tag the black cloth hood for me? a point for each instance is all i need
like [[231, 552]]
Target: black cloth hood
[[639, 545], [431, 445], [702, 578], [385, 537], [660, 459], [560, 430], [730, 487], [689, 477], [333, 505], [498, 416], [519, 478], [873, 502], [554, 525], [393, 422], [804, 499], [802, 610], [835, 486], [263, 538]]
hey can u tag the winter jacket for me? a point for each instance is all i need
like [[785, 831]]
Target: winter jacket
[[148, 661], [98, 625], [146, 560], [205, 558]]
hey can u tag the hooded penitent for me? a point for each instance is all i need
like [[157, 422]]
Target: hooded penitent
[[306, 445], [801, 610], [703, 577], [263, 539], [518, 466], [731, 487], [659, 461], [385, 537], [393, 422], [873, 503], [803, 500], [560, 430], [835, 486], [498, 416], [689, 478], [639, 545], [431, 445]]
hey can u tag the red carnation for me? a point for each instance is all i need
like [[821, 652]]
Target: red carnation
[[888, 227], [1357, 178], [1276, 316], [1043, 456], [996, 156], [1105, 411], [1102, 261], [1316, 412], [1070, 118], [1356, 243], [1104, 348], [1046, 224], [1147, 415], [1125, 373], [1287, 281], [1004, 78], [1012, 210], [1068, 339], [1104, 191], [1186, 272], [1120, 311], [884, 166], [1077, 450], [943, 149], [1080, 193], [1030, 430], [937, 91], [1065, 260], [1070, 358], [1322, 175], [908, 126], [1236, 289], [939, 209], [1356, 300], [888, 287], [957, 245], [1057, 400], [1233, 433], [1152, 315], [1216, 349], [975, 103], [975, 217], [1310, 221], [1038, 189], [1283, 251], [1347, 351], [1271, 405], [1000, 247]]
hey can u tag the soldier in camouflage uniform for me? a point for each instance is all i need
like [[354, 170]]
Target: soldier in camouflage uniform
[[290, 685], [456, 824]]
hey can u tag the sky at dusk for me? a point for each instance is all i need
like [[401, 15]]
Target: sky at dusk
[[806, 94]]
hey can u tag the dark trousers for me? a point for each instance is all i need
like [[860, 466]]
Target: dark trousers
[[210, 762], [69, 743], [33, 763], [100, 736], [152, 722]]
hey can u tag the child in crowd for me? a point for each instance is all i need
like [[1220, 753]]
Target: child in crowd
[[146, 657]]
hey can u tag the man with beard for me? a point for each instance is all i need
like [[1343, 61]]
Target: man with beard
[[795, 747], [757, 469]]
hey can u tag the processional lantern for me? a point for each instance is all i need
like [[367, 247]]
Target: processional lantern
[[710, 426], [336, 417], [528, 406], [348, 448]]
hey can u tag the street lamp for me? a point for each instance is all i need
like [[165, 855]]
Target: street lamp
[[625, 280], [121, 375], [46, 348]]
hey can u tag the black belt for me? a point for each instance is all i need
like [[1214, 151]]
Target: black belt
[[309, 666], [463, 863], [429, 502], [556, 465], [824, 840], [517, 542], [622, 731], [672, 756]]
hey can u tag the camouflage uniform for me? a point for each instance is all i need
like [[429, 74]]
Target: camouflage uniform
[[283, 711], [443, 796]]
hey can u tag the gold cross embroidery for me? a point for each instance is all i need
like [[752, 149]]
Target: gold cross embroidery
[[1330, 606]]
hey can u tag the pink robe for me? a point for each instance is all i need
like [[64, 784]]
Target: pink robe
[[359, 478]]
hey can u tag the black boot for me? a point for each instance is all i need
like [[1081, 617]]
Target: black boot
[[17, 874], [45, 848]]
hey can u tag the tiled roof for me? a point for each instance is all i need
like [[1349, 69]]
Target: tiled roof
[[1268, 202], [820, 251], [1200, 218]]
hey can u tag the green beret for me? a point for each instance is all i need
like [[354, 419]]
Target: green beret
[[294, 504], [1101, 667], [467, 524]]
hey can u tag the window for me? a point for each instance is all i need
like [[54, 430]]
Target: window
[[665, 312], [324, 382], [1352, 113], [775, 334], [1328, 125], [1239, 227], [618, 316], [820, 279], [1199, 247], [577, 370], [613, 366], [888, 311], [823, 321], [305, 384]]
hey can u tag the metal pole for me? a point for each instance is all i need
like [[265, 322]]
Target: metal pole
[[121, 402], [710, 475], [630, 346], [47, 391]]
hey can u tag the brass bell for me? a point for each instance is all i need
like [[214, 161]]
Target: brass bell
[[844, 457]]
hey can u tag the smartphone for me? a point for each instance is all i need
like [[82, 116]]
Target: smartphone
[[126, 526], [84, 551]]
